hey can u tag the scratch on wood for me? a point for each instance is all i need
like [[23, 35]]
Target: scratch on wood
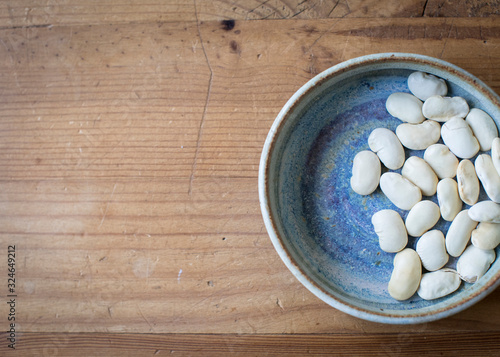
[[255, 8], [254, 330], [107, 206], [334, 7], [321, 36], [301, 11], [327, 30], [145, 319], [424, 8], [348, 8], [7, 50], [207, 100], [89, 266], [342, 57], [446, 40]]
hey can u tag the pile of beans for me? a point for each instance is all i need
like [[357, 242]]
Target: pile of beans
[[428, 115]]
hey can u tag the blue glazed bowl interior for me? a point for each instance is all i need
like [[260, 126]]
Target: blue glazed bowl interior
[[319, 226]]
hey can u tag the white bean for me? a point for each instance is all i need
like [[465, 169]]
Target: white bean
[[464, 133], [419, 136], [421, 174], [468, 183], [442, 109], [483, 127], [495, 154], [401, 192], [486, 235], [406, 107], [388, 148], [431, 249], [365, 172], [450, 203], [474, 263], [442, 160], [405, 277], [488, 176], [438, 284], [458, 136], [424, 85], [390, 229], [459, 233], [485, 211], [422, 217]]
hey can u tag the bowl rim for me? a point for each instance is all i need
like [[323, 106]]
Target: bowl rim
[[264, 187]]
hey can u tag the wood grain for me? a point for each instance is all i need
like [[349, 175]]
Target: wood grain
[[130, 158], [346, 344], [28, 13], [130, 142]]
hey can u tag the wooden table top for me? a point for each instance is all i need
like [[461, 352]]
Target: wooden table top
[[131, 134]]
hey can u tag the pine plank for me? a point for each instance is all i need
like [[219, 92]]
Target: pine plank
[[139, 163], [346, 344], [29, 13]]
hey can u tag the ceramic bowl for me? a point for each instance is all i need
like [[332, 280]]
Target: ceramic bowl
[[320, 228]]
